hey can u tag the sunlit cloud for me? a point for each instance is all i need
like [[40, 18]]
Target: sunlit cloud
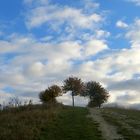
[[58, 40]]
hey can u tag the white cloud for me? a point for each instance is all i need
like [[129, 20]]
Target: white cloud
[[6, 47], [71, 16], [37, 63], [55, 16], [137, 2], [91, 5], [131, 84], [58, 65], [95, 46], [134, 34], [129, 97], [79, 101], [121, 24], [4, 96], [102, 34], [40, 64], [32, 2], [36, 69]]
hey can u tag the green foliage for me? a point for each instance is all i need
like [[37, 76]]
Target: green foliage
[[73, 84], [97, 94], [49, 94]]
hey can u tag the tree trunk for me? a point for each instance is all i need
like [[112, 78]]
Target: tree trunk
[[72, 100]]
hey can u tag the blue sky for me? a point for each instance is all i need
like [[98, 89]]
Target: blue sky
[[43, 42]]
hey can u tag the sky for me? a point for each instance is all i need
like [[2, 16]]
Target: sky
[[42, 42]]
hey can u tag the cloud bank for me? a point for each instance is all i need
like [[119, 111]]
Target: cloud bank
[[73, 41]]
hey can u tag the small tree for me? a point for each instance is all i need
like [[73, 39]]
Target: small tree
[[74, 85], [97, 94], [50, 94], [14, 102]]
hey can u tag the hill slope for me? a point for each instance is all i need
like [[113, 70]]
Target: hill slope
[[68, 123], [127, 121], [53, 123]]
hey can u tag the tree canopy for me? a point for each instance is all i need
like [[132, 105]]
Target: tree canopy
[[50, 94], [97, 94], [73, 84]]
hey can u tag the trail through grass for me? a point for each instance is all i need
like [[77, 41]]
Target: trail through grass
[[47, 123], [72, 124], [127, 121], [109, 131]]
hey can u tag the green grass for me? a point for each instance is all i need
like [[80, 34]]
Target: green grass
[[47, 123], [72, 124], [127, 121]]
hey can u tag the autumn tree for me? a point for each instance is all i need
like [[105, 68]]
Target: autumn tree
[[74, 85], [97, 94], [50, 94]]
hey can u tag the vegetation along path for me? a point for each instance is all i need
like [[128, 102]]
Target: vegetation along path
[[127, 121], [109, 132], [48, 123], [71, 123]]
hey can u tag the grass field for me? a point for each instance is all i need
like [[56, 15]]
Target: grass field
[[72, 124], [127, 121], [64, 123], [25, 123], [53, 123]]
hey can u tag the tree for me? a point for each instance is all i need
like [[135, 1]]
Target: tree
[[97, 94], [14, 102], [50, 94], [74, 85]]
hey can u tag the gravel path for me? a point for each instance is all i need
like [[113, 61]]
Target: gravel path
[[109, 132]]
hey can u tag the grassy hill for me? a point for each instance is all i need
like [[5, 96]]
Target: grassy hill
[[48, 123], [64, 123], [127, 121]]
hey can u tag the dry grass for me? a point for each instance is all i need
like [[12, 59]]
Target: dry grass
[[48, 123], [25, 123]]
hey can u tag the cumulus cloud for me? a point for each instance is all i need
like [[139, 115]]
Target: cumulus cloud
[[134, 34], [35, 69], [129, 97], [33, 63], [79, 101], [32, 2], [30, 64], [121, 24], [40, 64], [137, 2], [55, 16], [102, 34], [4, 96], [95, 46], [73, 17], [132, 84]]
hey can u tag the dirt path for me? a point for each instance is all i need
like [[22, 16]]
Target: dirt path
[[108, 131]]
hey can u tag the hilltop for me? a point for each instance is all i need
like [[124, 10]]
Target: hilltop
[[58, 122]]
